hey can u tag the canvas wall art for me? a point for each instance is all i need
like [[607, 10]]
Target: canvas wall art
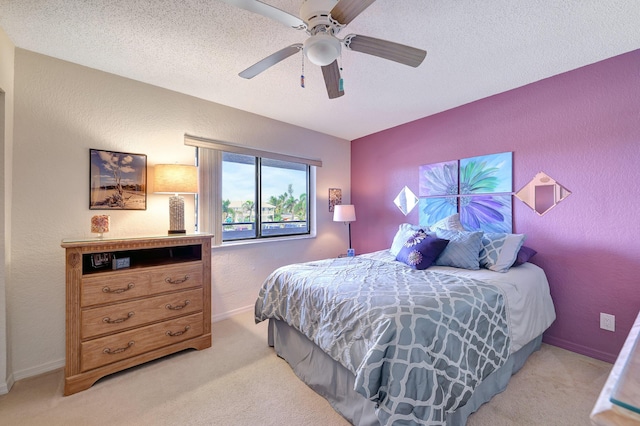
[[479, 188], [487, 174], [438, 179]]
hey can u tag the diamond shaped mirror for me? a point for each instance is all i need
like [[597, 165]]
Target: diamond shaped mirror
[[406, 200], [542, 193]]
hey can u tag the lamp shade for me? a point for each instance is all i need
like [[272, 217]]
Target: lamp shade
[[344, 213], [175, 179]]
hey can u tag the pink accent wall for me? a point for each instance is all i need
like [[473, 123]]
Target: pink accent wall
[[583, 129]]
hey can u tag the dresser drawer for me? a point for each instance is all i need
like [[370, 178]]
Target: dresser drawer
[[109, 349], [109, 287], [119, 316]]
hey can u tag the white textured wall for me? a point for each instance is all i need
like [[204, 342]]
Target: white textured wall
[[7, 51], [61, 111]]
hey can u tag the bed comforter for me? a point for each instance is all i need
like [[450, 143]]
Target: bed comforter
[[418, 342]]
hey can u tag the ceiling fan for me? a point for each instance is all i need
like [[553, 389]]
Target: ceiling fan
[[322, 20]]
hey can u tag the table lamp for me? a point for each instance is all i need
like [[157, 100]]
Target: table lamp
[[345, 213], [176, 179]]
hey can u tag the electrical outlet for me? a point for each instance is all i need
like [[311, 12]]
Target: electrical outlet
[[607, 321]]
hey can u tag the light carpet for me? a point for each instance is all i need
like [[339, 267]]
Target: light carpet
[[240, 381]]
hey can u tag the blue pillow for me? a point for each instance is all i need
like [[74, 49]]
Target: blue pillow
[[420, 250], [500, 250], [463, 250]]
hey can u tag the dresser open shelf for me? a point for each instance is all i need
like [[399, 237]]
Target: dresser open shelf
[[160, 303]]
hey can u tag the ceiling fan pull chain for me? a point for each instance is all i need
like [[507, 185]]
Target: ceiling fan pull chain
[[341, 81], [302, 72]]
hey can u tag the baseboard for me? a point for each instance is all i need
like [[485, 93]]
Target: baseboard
[[229, 314], [29, 372], [5, 387], [583, 350], [54, 365], [40, 369]]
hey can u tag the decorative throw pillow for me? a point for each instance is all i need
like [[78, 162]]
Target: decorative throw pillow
[[405, 231], [524, 254], [420, 250], [499, 250], [463, 250], [450, 222]]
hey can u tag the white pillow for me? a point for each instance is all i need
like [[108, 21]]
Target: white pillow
[[405, 231], [452, 223], [499, 250]]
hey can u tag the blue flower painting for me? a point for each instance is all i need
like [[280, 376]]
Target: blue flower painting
[[433, 209], [438, 179], [486, 174], [488, 213], [479, 188]]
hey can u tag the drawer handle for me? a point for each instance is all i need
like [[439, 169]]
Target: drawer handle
[[118, 290], [119, 320], [119, 350], [178, 333], [178, 281], [177, 307]]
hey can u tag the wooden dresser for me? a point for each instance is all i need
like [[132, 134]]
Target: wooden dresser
[[156, 303]]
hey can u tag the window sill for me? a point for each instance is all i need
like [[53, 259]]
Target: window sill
[[262, 241]]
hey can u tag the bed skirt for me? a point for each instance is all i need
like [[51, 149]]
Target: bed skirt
[[335, 383]]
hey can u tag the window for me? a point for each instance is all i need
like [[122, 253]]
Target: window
[[275, 188], [247, 194]]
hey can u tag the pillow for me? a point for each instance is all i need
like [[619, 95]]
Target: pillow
[[450, 222], [405, 231], [524, 254], [463, 250], [500, 250], [420, 250]]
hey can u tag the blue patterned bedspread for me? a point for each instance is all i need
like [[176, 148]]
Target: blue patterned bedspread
[[418, 342]]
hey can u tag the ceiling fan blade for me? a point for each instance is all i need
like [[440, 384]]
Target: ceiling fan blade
[[274, 13], [385, 49], [347, 10], [270, 61], [331, 75]]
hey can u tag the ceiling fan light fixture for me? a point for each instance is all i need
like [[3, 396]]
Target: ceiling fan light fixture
[[322, 49]]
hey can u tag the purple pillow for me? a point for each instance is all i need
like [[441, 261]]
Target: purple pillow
[[421, 250], [524, 254]]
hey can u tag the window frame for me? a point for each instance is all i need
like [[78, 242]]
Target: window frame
[[258, 172], [209, 200]]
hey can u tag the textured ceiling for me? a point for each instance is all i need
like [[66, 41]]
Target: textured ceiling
[[475, 49]]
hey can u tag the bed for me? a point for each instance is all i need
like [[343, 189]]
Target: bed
[[386, 343]]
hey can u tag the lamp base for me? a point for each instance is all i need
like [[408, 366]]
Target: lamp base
[[176, 215]]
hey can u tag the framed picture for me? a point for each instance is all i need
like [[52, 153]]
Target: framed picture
[[335, 197], [118, 180]]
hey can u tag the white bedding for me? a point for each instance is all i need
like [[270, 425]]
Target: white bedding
[[529, 306]]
